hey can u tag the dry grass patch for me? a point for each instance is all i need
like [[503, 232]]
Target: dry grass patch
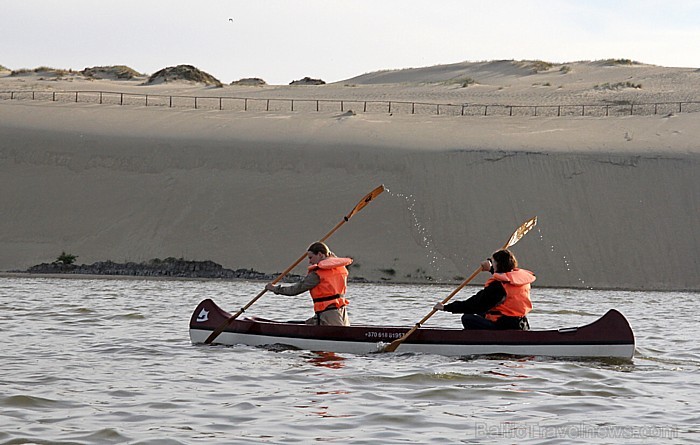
[[536, 66]]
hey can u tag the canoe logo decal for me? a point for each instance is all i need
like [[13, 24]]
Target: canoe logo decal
[[203, 316]]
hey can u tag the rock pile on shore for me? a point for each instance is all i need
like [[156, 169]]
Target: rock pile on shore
[[169, 267]]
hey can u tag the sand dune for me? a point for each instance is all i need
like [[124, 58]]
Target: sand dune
[[617, 198]]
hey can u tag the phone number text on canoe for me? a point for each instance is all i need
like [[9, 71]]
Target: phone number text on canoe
[[383, 335]]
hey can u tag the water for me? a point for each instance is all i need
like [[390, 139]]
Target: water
[[103, 361]]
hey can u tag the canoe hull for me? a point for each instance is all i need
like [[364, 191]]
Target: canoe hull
[[609, 336]]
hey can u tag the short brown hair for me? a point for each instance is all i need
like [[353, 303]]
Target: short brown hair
[[319, 247], [505, 260]]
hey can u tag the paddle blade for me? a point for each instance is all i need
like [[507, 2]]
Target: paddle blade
[[521, 231], [366, 200], [391, 347]]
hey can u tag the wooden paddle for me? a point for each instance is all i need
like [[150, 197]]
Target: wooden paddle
[[514, 238], [360, 205]]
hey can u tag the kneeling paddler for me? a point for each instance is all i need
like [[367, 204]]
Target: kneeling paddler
[[504, 301], [327, 282]]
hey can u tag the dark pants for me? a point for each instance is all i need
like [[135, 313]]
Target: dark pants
[[474, 321]]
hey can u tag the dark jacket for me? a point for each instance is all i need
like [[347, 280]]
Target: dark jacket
[[482, 301]]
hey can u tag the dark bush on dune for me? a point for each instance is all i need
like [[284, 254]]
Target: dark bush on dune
[[110, 72], [249, 81], [184, 72], [307, 81]]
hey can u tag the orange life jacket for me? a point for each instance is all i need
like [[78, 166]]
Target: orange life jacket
[[334, 283], [517, 302]]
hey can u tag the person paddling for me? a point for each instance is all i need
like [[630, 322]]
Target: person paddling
[[504, 301], [327, 283]]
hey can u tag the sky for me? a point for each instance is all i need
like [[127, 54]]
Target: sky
[[284, 40]]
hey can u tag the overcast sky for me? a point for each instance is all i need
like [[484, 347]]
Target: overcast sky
[[284, 40]]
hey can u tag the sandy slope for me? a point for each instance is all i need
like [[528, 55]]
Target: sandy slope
[[617, 198]]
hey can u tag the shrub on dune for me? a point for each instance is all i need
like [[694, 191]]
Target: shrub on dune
[[186, 73]]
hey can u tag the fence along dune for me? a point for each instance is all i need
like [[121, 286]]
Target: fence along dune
[[232, 103], [614, 87]]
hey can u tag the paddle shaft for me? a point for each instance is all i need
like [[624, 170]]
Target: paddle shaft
[[396, 343], [520, 231], [366, 200]]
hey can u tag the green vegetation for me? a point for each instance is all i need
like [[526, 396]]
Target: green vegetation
[[540, 65], [184, 72], [536, 66], [618, 86], [249, 81], [614, 62], [463, 81], [41, 69], [115, 71], [565, 69], [420, 274], [66, 258]]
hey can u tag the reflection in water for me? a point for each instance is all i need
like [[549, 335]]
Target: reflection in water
[[322, 403], [515, 363], [327, 360]]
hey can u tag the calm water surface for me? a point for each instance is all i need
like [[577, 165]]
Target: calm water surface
[[102, 361]]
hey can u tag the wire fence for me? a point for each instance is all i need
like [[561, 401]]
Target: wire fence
[[622, 108]]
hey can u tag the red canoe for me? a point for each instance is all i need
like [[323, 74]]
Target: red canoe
[[609, 336]]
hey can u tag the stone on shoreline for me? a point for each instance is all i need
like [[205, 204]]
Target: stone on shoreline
[[169, 267]]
